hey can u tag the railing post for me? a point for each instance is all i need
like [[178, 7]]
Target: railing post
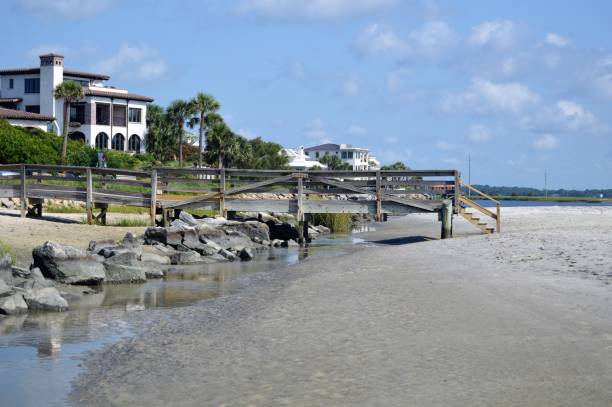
[[153, 208], [378, 216], [457, 189], [23, 193], [222, 192], [498, 219], [300, 208], [447, 219], [89, 200]]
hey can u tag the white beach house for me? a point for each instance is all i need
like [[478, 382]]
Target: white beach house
[[360, 159], [105, 118], [298, 160]]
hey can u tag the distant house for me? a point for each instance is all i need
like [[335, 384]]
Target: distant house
[[300, 161], [106, 117], [359, 159]]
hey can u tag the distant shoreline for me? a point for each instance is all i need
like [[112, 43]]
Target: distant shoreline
[[551, 198]]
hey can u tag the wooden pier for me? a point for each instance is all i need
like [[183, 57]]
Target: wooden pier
[[166, 191]]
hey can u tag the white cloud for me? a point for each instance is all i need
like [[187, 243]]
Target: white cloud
[[134, 61], [377, 39], [429, 40], [486, 96], [546, 142], [358, 131], [556, 40], [443, 145], [70, 9], [501, 35], [565, 116], [317, 132], [479, 133], [350, 87], [311, 9], [395, 79]]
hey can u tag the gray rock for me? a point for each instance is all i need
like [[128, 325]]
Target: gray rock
[[226, 239], [189, 257], [154, 271], [5, 290], [174, 236], [67, 264], [252, 228], [246, 254], [290, 243], [322, 229], [206, 249], [188, 219], [216, 222], [20, 272], [13, 305], [191, 239], [227, 254], [155, 235], [6, 271], [276, 243], [48, 299], [154, 259], [177, 223], [96, 246], [125, 268], [282, 231]]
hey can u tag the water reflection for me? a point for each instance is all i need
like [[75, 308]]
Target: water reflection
[[38, 351]]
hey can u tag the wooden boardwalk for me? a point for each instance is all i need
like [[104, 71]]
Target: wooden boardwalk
[[165, 191]]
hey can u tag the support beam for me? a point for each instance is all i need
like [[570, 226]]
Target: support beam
[[300, 209], [153, 208], [89, 200], [24, 192], [447, 219], [222, 211]]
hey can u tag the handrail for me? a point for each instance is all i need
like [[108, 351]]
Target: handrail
[[477, 206], [489, 197]]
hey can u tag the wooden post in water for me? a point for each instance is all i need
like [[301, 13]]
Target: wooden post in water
[[23, 193], [378, 216], [498, 218], [153, 208], [89, 199], [447, 219]]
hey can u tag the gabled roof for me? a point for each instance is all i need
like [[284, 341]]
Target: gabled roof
[[324, 147], [21, 115], [67, 72], [116, 95]]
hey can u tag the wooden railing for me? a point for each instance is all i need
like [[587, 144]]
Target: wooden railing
[[166, 189], [468, 201]]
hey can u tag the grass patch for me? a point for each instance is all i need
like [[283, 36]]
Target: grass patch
[[126, 223], [6, 249], [336, 222]]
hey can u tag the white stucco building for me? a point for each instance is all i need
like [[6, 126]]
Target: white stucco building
[[360, 159], [105, 118]]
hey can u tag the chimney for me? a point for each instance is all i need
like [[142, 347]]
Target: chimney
[[51, 75]]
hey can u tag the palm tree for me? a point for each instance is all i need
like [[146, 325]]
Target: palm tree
[[71, 92], [222, 143], [203, 105], [180, 111]]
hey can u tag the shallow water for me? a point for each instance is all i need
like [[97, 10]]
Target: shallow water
[[40, 352], [508, 203]]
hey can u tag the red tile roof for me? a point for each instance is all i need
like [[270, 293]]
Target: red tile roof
[[21, 115], [67, 72], [115, 95]]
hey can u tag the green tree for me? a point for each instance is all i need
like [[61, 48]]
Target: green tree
[[70, 92], [179, 112], [266, 155], [397, 166], [203, 105], [223, 146], [333, 162]]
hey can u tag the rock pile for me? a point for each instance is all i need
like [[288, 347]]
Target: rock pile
[[135, 259]]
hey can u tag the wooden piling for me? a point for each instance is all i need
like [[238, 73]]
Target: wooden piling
[[89, 199], [447, 219], [153, 207], [23, 193], [378, 216]]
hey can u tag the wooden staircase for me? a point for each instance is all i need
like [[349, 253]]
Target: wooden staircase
[[475, 219]]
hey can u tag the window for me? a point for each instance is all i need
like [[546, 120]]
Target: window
[[77, 113], [344, 155], [32, 108], [32, 85], [317, 154], [102, 141], [119, 115], [11, 83], [134, 143], [118, 142], [102, 114], [134, 115], [307, 153], [350, 154]]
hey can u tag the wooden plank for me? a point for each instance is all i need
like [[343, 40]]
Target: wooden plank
[[477, 206], [300, 200], [10, 191], [89, 200], [23, 192], [153, 207]]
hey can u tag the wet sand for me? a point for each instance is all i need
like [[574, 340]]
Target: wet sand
[[520, 318]]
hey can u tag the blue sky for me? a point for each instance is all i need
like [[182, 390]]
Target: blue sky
[[521, 86]]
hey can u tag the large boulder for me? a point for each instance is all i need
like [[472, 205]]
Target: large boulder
[[282, 231], [5, 290], [187, 218], [6, 270], [252, 228], [13, 305], [67, 264], [186, 257], [226, 239], [154, 259], [246, 254], [125, 268], [48, 299]]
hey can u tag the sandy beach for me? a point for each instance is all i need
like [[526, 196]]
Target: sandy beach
[[519, 318]]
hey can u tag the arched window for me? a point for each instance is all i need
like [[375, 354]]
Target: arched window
[[118, 142], [76, 136], [102, 141], [134, 143]]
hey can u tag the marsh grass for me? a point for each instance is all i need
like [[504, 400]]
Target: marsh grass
[[6, 249]]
